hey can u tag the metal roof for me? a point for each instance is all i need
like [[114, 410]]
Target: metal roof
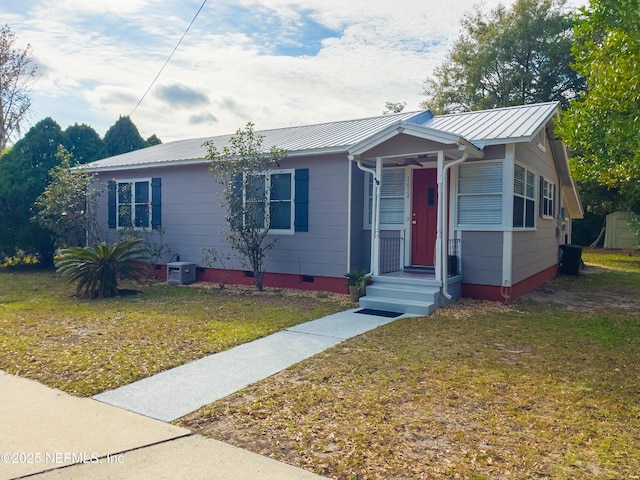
[[333, 137], [497, 126], [487, 127]]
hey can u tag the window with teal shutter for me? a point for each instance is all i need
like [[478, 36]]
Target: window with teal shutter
[[135, 203], [287, 208]]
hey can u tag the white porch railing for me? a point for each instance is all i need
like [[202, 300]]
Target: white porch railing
[[391, 253]]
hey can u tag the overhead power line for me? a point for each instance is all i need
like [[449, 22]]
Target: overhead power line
[[168, 59]]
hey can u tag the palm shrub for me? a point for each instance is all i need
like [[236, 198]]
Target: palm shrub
[[98, 268]]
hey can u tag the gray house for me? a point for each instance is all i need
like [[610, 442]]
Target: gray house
[[435, 207]]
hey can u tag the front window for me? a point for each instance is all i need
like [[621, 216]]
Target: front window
[[480, 194], [269, 200], [524, 198], [134, 204], [392, 198]]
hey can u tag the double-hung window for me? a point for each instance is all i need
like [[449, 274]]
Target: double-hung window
[[134, 204], [392, 198], [524, 197], [480, 194], [269, 200], [548, 198]]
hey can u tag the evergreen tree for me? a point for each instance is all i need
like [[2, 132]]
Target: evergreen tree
[[153, 140], [24, 175], [84, 144], [123, 137]]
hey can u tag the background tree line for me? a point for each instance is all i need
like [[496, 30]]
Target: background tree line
[[540, 51], [26, 170]]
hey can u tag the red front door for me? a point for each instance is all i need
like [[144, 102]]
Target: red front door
[[424, 216]]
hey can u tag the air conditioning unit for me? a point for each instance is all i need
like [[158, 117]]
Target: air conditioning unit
[[181, 272]]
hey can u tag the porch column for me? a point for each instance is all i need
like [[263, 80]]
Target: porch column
[[442, 204], [375, 220]]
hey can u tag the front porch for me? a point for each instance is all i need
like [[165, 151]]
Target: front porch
[[409, 209], [407, 292], [411, 289]]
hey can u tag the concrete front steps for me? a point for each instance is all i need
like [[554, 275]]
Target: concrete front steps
[[403, 295]]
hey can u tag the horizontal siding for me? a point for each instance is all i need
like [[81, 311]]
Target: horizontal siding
[[533, 252], [537, 250], [494, 152], [404, 145], [193, 218], [482, 257]]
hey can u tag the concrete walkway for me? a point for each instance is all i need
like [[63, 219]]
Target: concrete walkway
[[47, 434], [175, 393]]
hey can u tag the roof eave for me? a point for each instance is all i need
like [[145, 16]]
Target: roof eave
[[199, 161], [561, 160], [408, 128]]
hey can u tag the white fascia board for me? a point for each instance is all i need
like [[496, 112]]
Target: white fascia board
[[572, 201], [199, 161], [407, 128], [144, 166]]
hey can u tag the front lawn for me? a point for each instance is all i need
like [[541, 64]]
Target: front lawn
[[84, 347], [548, 387]]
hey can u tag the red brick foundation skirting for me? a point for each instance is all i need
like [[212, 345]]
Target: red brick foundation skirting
[[498, 294], [276, 280]]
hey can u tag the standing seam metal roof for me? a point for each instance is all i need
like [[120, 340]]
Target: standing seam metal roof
[[501, 125], [486, 127]]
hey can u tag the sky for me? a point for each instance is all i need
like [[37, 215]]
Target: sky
[[275, 63]]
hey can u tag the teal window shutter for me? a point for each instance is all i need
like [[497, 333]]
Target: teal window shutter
[[156, 203], [302, 200], [541, 205], [111, 191]]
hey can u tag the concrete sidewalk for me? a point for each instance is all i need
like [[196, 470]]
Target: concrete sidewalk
[[175, 393], [47, 434]]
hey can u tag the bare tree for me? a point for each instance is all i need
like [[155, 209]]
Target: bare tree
[[17, 72]]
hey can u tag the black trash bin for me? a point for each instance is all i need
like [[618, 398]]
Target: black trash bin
[[571, 259]]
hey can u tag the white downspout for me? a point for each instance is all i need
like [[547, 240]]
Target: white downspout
[[444, 250], [349, 195], [375, 269], [374, 212]]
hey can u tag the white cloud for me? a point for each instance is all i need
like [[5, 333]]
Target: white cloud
[[99, 57], [97, 7]]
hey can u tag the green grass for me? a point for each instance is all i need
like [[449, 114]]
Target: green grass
[[84, 347], [545, 388]]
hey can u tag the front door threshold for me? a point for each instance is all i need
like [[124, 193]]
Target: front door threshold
[[419, 269]]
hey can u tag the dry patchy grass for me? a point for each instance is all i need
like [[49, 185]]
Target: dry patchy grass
[[538, 389], [84, 347]]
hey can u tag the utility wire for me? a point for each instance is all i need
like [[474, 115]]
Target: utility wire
[[168, 59]]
